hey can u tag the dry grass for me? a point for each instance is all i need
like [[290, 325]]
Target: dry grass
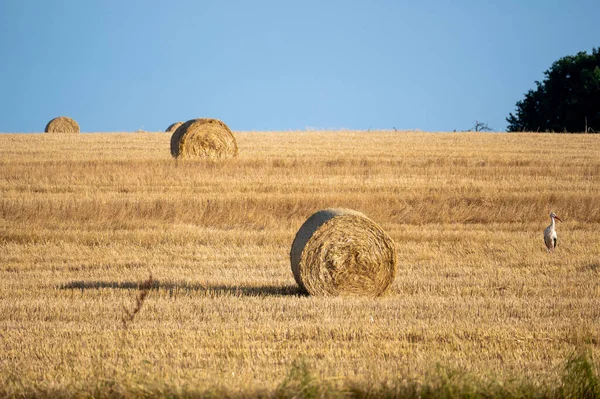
[[84, 218]]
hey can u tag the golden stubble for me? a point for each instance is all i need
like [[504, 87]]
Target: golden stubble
[[85, 218]]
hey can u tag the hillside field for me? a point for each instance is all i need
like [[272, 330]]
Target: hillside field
[[87, 219]]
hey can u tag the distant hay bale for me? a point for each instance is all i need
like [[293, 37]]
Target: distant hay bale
[[203, 138], [62, 124], [172, 127], [343, 252]]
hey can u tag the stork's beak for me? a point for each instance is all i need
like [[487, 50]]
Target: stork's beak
[[557, 218]]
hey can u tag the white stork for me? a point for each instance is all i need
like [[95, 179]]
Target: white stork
[[550, 237]]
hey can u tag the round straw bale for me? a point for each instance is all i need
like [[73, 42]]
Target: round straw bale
[[172, 127], [62, 124], [203, 138], [343, 252]]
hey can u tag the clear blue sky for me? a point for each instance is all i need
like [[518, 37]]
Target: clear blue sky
[[437, 65]]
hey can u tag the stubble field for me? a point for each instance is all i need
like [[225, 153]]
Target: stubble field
[[85, 219]]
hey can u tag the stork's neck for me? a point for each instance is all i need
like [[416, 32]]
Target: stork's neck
[[552, 224]]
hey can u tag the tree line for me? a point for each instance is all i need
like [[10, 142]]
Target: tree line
[[567, 100]]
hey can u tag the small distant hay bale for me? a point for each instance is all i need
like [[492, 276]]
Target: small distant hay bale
[[203, 138], [62, 124], [172, 127], [343, 252]]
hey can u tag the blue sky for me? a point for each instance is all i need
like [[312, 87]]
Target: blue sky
[[124, 65]]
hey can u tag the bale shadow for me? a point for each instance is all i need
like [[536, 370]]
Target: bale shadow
[[206, 289], [592, 267]]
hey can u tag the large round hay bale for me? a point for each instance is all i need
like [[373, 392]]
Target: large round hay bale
[[173, 126], [203, 138], [343, 252], [62, 124]]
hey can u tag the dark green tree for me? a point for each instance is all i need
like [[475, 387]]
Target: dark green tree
[[568, 100]]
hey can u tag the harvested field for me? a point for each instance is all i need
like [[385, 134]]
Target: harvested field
[[85, 219]]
